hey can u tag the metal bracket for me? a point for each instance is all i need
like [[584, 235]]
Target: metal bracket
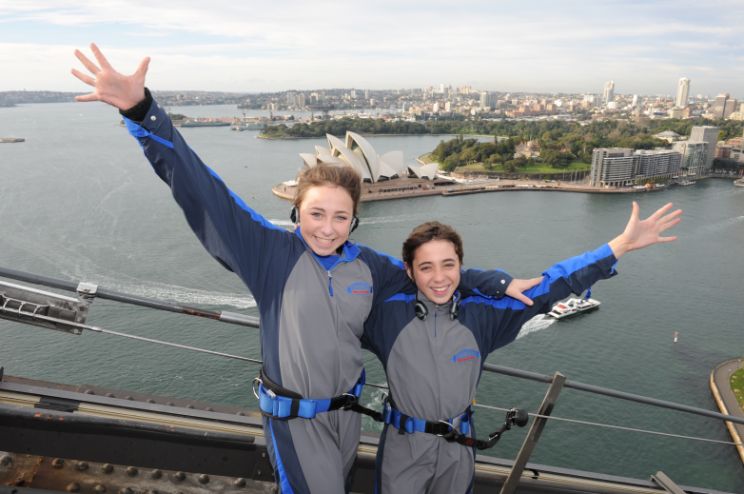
[[530, 441], [662, 480]]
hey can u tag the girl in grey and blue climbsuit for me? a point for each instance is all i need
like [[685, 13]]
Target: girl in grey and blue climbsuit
[[313, 287]]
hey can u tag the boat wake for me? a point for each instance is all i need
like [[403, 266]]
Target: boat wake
[[537, 323], [176, 293]]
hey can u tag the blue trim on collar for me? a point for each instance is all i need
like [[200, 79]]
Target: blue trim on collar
[[402, 297]]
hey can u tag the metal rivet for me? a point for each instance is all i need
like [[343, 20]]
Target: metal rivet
[[73, 487], [132, 471], [153, 118], [100, 488], [239, 482], [58, 463], [179, 475], [203, 478], [156, 474], [6, 460], [81, 466], [107, 468]]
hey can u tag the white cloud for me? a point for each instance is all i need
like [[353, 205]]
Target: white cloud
[[252, 46]]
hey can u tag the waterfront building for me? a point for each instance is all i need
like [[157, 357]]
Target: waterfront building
[[623, 167], [709, 135], [357, 152], [657, 164], [693, 156], [613, 167], [683, 92]]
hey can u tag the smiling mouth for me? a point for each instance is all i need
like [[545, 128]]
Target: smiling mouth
[[323, 239], [440, 290]]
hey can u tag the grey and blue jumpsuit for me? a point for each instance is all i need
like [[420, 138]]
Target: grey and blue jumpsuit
[[433, 366], [312, 308]]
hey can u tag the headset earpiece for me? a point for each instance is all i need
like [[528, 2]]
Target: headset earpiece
[[294, 216], [354, 224], [421, 310]]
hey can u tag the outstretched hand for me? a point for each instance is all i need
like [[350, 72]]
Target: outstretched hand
[[518, 286], [110, 86], [642, 233]]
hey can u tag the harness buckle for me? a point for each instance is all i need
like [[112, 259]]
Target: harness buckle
[[452, 433], [352, 400]]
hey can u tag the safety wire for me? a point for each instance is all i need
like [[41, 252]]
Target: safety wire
[[611, 426], [381, 386]]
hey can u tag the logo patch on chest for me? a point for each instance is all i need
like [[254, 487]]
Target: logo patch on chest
[[465, 355], [359, 288]]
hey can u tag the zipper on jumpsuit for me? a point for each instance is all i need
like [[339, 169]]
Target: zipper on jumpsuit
[[330, 283]]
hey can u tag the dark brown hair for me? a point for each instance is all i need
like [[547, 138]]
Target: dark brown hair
[[342, 176], [426, 232]]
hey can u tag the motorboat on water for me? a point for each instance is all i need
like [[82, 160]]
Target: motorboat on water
[[82, 438], [739, 182], [573, 307]]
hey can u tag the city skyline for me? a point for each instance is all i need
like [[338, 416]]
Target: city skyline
[[644, 47]]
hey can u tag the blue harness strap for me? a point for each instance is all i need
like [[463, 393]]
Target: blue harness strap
[[285, 407], [408, 425]]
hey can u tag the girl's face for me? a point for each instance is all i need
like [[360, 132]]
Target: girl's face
[[436, 270], [326, 212]]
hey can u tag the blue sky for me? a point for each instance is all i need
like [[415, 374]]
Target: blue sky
[[545, 46]]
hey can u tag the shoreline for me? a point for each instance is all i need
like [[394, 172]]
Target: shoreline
[[408, 188], [720, 387]]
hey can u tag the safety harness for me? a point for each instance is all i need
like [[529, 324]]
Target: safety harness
[[454, 429], [281, 403], [284, 404]]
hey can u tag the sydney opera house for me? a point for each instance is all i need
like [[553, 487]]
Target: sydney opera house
[[384, 176]]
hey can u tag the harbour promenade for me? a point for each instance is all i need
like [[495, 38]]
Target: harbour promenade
[[720, 386], [410, 187]]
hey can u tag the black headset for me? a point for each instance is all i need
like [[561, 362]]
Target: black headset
[[294, 217], [422, 311]]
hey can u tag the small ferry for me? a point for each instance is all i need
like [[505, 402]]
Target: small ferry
[[739, 183], [11, 140], [573, 307]]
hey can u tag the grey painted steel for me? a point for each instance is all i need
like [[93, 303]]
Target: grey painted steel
[[534, 376], [530, 441], [666, 483], [228, 317]]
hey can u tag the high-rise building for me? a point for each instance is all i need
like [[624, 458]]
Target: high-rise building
[[608, 94], [693, 156], [708, 135], [683, 92], [723, 106]]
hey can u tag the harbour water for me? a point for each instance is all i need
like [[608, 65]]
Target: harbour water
[[79, 201]]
